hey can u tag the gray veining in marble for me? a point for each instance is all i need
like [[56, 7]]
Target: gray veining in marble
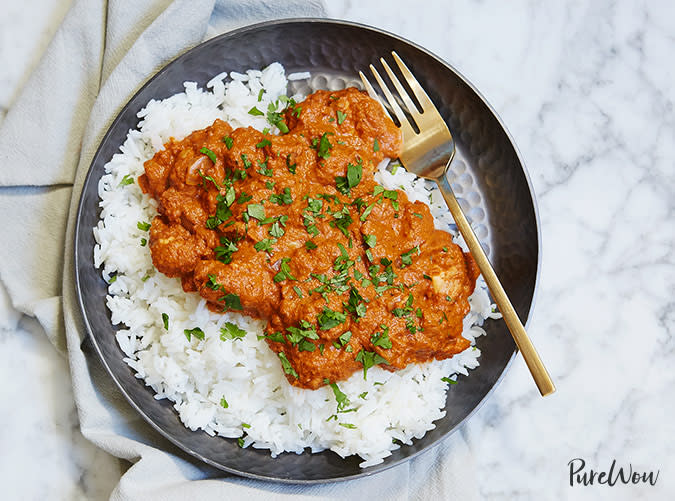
[[587, 90]]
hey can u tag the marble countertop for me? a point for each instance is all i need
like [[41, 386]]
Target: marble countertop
[[587, 91]]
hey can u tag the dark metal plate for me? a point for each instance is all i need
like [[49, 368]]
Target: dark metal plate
[[487, 175]]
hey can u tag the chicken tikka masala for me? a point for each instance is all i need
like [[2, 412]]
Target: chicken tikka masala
[[292, 228]]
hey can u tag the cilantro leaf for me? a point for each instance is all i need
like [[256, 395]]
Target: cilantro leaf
[[209, 154], [369, 359], [328, 319], [231, 331], [286, 365], [126, 180], [196, 332], [256, 211], [284, 271]]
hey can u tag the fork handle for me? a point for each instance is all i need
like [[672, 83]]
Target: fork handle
[[534, 363]]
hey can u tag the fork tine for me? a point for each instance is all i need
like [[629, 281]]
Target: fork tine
[[372, 93], [405, 124], [412, 109], [369, 88], [420, 94]]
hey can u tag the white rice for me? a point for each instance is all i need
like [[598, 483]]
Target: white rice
[[264, 410]]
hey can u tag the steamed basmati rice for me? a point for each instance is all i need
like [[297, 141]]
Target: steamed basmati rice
[[236, 388]]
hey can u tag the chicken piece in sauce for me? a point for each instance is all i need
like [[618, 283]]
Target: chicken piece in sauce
[[292, 228]]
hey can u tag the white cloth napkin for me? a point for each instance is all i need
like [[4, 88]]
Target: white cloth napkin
[[102, 53]]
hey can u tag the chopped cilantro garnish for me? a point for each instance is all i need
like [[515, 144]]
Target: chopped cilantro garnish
[[354, 173], [277, 337], [284, 198], [228, 142], [345, 337], [231, 331], [341, 117], [314, 205], [355, 304], [381, 339], [209, 154], [196, 332], [274, 117], [340, 397], [342, 220], [213, 282], [367, 212], [369, 359], [223, 403], [207, 178], [310, 245], [291, 168], [284, 271], [305, 345], [127, 179], [363, 395], [165, 321], [324, 146], [256, 211], [298, 291], [263, 143], [143, 226], [349, 426], [255, 112], [328, 319], [265, 245], [226, 249], [376, 145], [370, 240], [276, 230], [286, 365], [247, 162], [231, 301], [304, 330], [448, 380], [308, 221], [244, 197], [264, 169], [406, 259], [143, 242]]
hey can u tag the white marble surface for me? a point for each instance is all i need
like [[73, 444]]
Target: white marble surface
[[587, 90]]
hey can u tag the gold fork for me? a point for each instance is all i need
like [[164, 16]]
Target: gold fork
[[428, 154]]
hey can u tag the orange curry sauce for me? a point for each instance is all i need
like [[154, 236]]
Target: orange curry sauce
[[293, 229]]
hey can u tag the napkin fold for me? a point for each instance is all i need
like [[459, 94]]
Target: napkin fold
[[102, 53]]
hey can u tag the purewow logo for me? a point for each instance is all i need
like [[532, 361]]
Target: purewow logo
[[579, 475]]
